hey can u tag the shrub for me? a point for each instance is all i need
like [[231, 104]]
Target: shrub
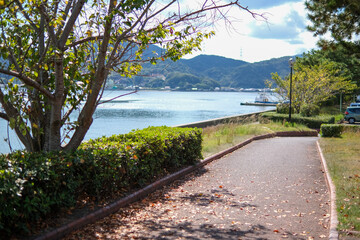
[[311, 122], [308, 110], [34, 185], [284, 108], [331, 130]]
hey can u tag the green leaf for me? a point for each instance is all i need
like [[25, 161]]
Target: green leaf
[[127, 23], [12, 123]]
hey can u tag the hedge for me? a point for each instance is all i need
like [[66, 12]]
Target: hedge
[[36, 185], [311, 122], [335, 130], [331, 130]]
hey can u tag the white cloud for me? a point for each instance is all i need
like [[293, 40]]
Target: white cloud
[[284, 34]]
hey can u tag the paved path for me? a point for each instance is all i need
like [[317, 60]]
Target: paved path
[[269, 189]]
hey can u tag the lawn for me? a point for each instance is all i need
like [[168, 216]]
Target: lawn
[[221, 137], [343, 159]]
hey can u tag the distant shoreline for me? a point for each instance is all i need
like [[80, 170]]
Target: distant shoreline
[[175, 90]]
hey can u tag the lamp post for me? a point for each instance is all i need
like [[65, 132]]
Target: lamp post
[[291, 63], [341, 98]]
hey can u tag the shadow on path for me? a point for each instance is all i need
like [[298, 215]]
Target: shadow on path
[[270, 189]]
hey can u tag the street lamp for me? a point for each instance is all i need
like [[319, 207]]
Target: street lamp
[[341, 98], [291, 63]]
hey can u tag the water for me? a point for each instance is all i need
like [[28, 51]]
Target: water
[[155, 108]]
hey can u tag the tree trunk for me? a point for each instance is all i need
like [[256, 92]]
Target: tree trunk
[[85, 118], [56, 106]]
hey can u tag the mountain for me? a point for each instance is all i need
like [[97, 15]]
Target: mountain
[[206, 72], [206, 62]]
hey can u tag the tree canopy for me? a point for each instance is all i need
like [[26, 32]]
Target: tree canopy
[[59, 54], [339, 18], [313, 83], [348, 62]]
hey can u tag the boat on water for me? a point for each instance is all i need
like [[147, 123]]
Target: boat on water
[[264, 99]]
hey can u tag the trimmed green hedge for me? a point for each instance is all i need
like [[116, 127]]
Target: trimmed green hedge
[[34, 185], [311, 122], [335, 130], [331, 130]]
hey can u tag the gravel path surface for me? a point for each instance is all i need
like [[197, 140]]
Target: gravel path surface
[[269, 189]]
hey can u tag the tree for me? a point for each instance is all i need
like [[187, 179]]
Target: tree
[[313, 84], [63, 51], [345, 59], [340, 18]]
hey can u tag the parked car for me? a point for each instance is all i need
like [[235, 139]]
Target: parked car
[[352, 114], [357, 104]]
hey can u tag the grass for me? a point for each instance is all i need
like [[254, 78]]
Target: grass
[[335, 111], [343, 159], [221, 137]]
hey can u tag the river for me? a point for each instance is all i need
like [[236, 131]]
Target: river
[[155, 108]]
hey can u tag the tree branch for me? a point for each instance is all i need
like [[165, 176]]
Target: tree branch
[[84, 40], [70, 23], [12, 112], [112, 99], [66, 13], [33, 25], [217, 7], [4, 116], [51, 30], [28, 81], [11, 55]]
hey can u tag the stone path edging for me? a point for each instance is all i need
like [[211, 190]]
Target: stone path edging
[[333, 234], [112, 208]]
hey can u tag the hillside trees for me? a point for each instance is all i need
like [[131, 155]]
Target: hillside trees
[[63, 51], [313, 84], [187, 81]]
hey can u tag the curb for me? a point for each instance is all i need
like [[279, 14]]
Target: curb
[[62, 231], [333, 234]]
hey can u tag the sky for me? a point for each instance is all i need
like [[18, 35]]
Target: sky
[[253, 40]]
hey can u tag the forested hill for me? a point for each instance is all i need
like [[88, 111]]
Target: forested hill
[[206, 72], [237, 73]]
